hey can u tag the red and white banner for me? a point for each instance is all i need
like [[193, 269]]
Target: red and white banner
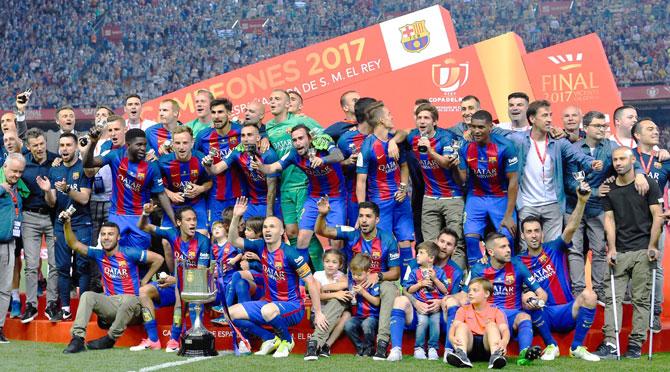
[[645, 92]]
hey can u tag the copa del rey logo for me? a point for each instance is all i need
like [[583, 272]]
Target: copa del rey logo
[[567, 61], [449, 76], [415, 36]]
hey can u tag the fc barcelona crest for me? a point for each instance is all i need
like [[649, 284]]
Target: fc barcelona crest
[[233, 141], [415, 36], [509, 279]]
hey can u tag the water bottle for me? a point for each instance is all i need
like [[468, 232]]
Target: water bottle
[[423, 149]]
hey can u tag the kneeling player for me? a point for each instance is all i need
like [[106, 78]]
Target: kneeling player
[[478, 329], [547, 263]]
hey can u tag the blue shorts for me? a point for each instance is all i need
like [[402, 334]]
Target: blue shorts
[[215, 208], [200, 209], [352, 212], [480, 209], [560, 317], [131, 235], [166, 296], [310, 211], [292, 312], [259, 210], [397, 218]]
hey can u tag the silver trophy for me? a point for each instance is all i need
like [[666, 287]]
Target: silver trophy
[[579, 177], [198, 289]]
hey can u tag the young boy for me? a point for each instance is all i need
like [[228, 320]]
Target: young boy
[[365, 317], [479, 329], [335, 298], [227, 258], [427, 282]]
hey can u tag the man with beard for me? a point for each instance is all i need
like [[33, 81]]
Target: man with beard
[[133, 108], [119, 305], [261, 188], [624, 119], [203, 99], [218, 141], [67, 186], [135, 180], [632, 227], [187, 181], [293, 189], [188, 249], [383, 250]]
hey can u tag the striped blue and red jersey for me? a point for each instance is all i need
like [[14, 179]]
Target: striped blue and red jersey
[[119, 273], [157, 134], [382, 170], [350, 142], [176, 174], [327, 179], [226, 185], [256, 185], [425, 294], [452, 272], [383, 248], [550, 270], [221, 253], [132, 183], [282, 270], [190, 254], [363, 308], [507, 281], [439, 182], [488, 165]]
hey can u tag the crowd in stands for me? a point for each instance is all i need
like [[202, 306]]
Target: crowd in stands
[[57, 47]]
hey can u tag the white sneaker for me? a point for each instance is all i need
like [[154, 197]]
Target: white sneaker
[[446, 352], [419, 353], [550, 352], [283, 350], [432, 354], [267, 347], [243, 349], [582, 353], [395, 355]]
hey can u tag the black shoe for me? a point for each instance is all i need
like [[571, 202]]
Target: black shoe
[[459, 359], [51, 310], [324, 351], [382, 351], [634, 352], [76, 345], [497, 360], [369, 351], [606, 350], [361, 352], [3, 339], [62, 315], [312, 351], [29, 314], [104, 342]]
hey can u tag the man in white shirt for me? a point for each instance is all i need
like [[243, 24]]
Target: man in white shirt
[[517, 104], [133, 109]]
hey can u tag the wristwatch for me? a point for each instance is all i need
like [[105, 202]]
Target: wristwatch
[[380, 276]]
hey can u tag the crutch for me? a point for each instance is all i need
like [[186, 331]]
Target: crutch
[[653, 299], [616, 318]]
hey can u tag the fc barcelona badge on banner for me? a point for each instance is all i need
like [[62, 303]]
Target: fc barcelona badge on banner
[[415, 36]]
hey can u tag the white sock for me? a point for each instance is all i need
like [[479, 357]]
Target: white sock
[[66, 308], [15, 295]]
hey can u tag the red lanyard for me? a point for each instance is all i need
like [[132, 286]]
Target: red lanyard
[[537, 149], [15, 201], [647, 166], [616, 138]]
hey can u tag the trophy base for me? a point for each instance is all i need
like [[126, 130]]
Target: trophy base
[[197, 345]]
